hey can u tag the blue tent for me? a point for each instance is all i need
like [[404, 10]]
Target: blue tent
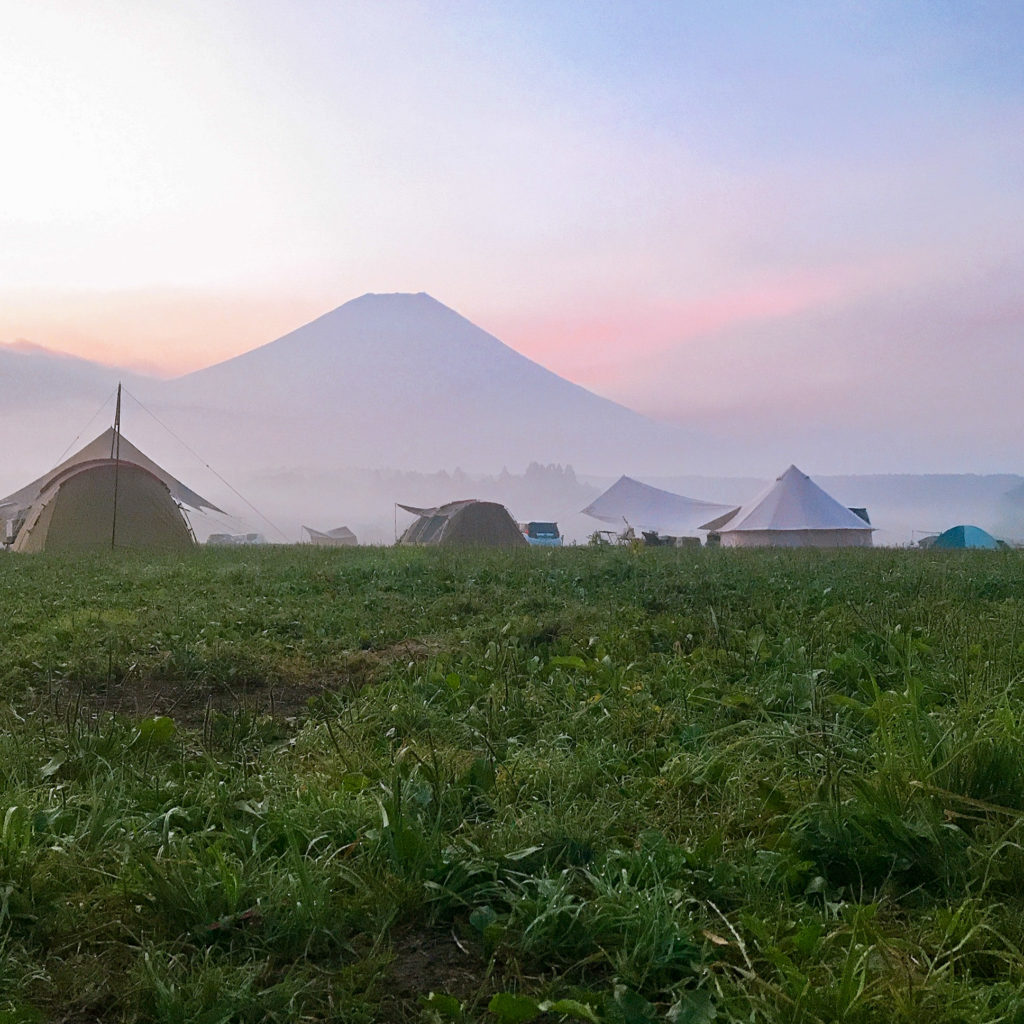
[[965, 537]]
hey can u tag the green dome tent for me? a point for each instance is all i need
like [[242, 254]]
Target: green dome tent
[[958, 537], [484, 524]]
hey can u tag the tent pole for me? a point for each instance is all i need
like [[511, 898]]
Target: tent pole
[[115, 454]]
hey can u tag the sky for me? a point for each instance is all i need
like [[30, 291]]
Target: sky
[[791, 217]]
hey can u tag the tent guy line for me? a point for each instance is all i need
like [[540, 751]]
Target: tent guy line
[[196, 454], [88, 423]]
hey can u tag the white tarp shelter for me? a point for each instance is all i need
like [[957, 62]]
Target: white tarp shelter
[[650, 508], [339, 537], [794, 512]]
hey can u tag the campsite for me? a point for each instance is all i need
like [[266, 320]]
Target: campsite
[[725, 762], [511, 512], [436, 784]]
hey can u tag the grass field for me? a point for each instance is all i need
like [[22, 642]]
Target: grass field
[[599, 785]]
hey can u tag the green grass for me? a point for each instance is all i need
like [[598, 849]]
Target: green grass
[[626, 786]]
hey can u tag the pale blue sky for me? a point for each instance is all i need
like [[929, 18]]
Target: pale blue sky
[[611, 188]]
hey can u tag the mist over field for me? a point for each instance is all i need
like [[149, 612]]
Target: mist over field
[[397, 398], [684, 264]]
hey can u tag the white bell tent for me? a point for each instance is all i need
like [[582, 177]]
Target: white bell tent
[[794, 512]]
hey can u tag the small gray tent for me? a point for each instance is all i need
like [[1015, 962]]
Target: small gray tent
[[339, 537], [469, 523]]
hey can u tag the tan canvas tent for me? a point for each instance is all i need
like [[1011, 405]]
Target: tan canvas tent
[[108, 494], [78, 511], [339, 537], [794, 512], [468, 523], [103, 447]]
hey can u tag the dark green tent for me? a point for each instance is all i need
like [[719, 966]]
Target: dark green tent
[[470, 523]]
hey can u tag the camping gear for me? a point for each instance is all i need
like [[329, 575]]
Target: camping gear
[[101, 505], [107, 495], [108, 445], [339, 537]]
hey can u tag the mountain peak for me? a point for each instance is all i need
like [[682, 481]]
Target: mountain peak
[[395, 303], [367, 377], [377, 313]]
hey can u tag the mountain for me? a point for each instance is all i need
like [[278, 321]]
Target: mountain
[[32, 375], [381, 401], [402, 380]]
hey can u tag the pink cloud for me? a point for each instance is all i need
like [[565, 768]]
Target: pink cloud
[[592, 346], [160, 331]]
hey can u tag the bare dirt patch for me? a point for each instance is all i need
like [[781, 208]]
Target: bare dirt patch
[[433, 961], [190, 702]]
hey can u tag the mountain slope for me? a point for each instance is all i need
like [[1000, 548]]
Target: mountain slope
[[32, 376], [402, 380], [46, 399]]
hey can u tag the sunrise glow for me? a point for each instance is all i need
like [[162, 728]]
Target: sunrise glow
[[604, 186]]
